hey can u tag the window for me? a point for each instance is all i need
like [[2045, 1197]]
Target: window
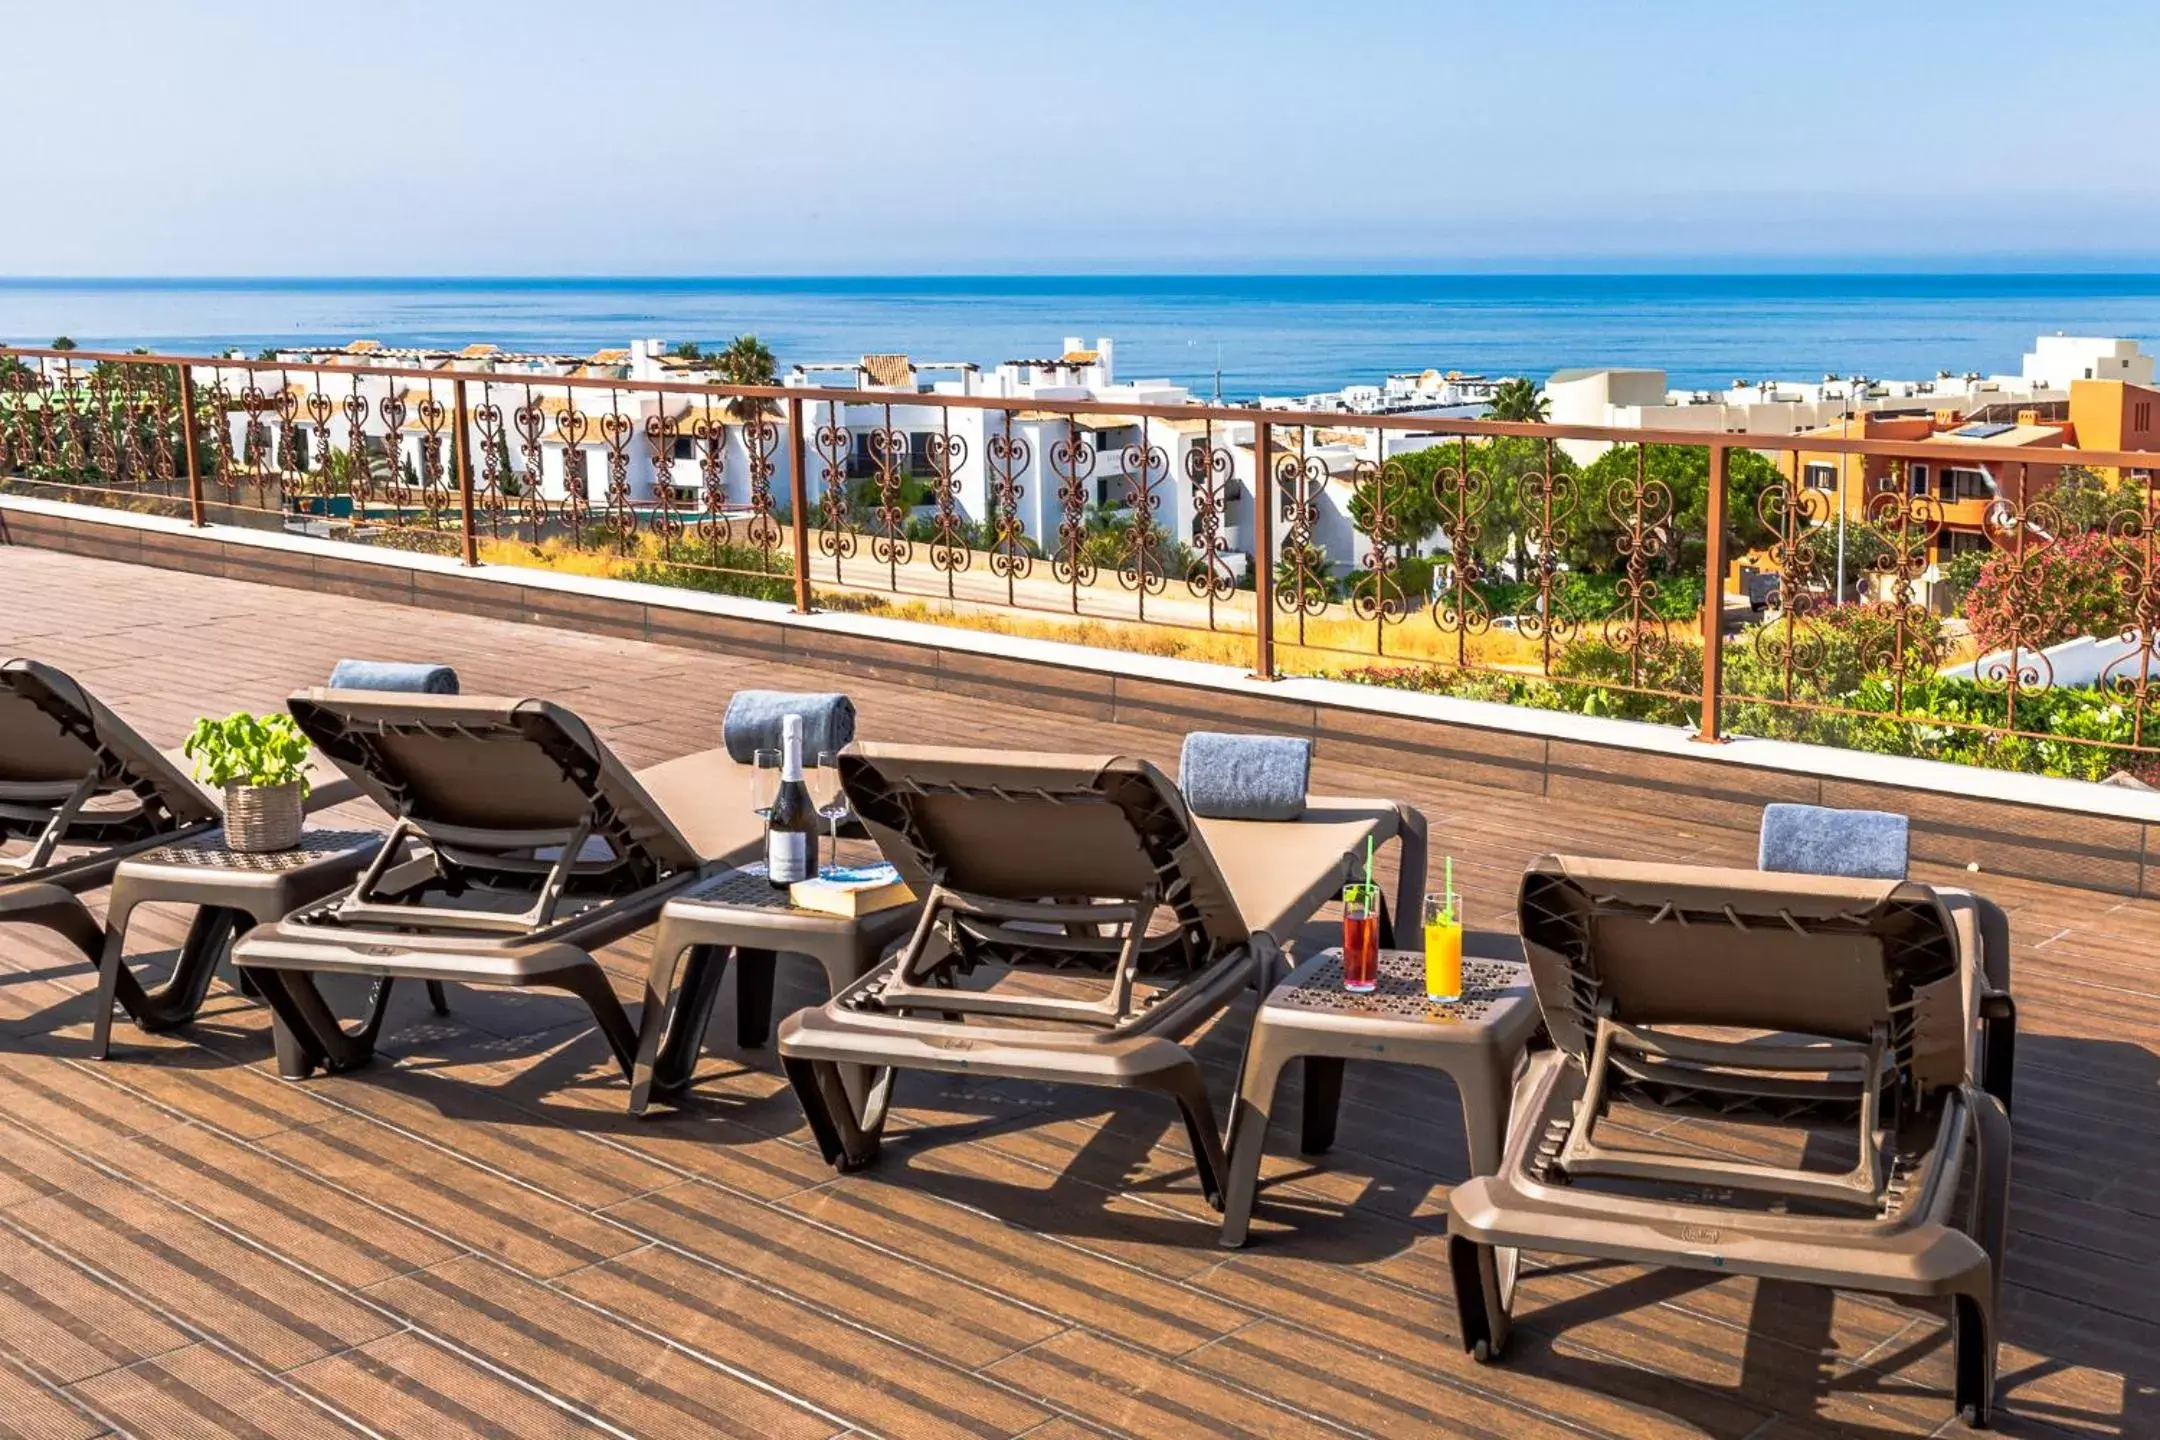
[[1966, 485], [2141, 414], [1821, 477], [1961, 542], [1919, 474], [681, 450]]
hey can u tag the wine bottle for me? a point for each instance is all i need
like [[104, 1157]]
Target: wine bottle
[[791, 828]]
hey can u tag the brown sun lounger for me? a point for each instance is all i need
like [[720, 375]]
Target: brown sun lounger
[[1849, 1001], [1041, 869], [521, 845], [83, 792]]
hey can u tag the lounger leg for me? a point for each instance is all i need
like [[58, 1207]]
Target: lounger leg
[[63, 914], [292, 1031], [1998, 1021], [309, 1034], [1188, 1086], [1486, 1089], [438, 998], [1323, 1099], [679, 995], [1248, 1136], [1484, 1294], [846, 1143], [212, 929], [753, 997], [1972, 1326], [590, 984]]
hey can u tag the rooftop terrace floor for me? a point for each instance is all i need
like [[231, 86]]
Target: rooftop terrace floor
[[472, 1238]]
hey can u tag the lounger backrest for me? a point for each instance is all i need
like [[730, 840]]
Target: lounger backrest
[[476, 765], [1021, 826], [53, 732], [1678, 945]]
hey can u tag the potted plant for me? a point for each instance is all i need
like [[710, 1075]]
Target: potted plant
[[261, 762]]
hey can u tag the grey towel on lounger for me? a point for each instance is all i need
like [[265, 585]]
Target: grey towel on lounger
[[395, 675], [1245, 777], [752, 722], [1815, 840]]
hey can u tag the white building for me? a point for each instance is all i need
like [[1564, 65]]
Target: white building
[[2056, 360]]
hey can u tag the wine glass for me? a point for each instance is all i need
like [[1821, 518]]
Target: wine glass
[[764, 781], [831, 800]]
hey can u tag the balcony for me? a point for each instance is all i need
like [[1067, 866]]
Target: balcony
[[473, 1234]]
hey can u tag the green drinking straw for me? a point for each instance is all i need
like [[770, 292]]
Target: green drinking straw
[[1449, 892], [1368, 862]]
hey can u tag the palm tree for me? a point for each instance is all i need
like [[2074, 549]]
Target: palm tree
[[1518, 400], [747, 361]]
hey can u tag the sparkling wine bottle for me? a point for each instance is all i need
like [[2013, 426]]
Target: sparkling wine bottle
[[791, 828]]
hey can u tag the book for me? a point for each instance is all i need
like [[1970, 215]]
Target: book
[[852, 890]]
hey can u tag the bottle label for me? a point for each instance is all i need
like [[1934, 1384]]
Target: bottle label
[[787, 856]]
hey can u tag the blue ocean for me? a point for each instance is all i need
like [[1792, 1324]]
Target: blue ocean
[[1271, 334]]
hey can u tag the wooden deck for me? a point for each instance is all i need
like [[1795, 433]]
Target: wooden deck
[[475, 1239]]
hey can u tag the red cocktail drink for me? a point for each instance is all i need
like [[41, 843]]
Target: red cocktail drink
[[1361, 938]]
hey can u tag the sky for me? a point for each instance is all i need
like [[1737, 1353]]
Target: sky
[[635, 138]]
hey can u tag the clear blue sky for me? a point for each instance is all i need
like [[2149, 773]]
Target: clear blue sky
[[843, 137]]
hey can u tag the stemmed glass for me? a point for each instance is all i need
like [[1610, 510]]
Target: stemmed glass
[[764, 781], [831, 801]]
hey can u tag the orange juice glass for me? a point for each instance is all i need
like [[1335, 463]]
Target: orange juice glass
[[1443, 949]]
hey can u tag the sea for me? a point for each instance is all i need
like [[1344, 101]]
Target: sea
[[1245, 335]]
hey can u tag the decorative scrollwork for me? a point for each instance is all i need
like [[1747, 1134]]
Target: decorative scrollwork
[[889, 542], [616, 429], [1546, 500], [397, 491], [1144, 565], [1072, 461], [574, 428], [320, 410], [1007, 457], [356, 452], [1208, 468], [1461, 491], [947, 454], [2134, 539], [1376, 593], [761, 441], [836, 529], [1792, 643], [432, 415], [667, 523], [1642, 509], [711, 434], [291, 453], [1906, 640], [1303, 578], [530, 421], [487, 418]]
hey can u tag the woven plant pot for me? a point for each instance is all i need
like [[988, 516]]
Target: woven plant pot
[[262, 818]]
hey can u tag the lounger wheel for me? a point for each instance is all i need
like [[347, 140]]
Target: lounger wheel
[[1484, 1294], [1483, 1352]]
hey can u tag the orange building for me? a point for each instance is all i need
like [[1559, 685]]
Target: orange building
[[1964, 490], [2116, 415]]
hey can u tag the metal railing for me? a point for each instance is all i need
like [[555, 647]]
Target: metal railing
[[1501, 560]]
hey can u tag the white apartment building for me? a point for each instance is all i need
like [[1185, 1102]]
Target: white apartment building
[[1641, 399]]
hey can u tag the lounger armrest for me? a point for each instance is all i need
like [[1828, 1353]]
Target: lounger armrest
[[331, 792], [1410, 883]]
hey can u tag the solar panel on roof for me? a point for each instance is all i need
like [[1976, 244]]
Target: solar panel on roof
[[1983, 432]]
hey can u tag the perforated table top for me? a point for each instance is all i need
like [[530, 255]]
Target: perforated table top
[[209, 851], [1400, 994]]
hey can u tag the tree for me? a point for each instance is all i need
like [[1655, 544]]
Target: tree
[[2084, 502], [688, 350], [61, 342], [1682, 474], [2053, 592], [1403, 492], [1518, 400], [747, 361]]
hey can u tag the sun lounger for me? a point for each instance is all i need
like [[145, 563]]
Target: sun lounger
[[1849, 1000], [1037, 869], [521, 846], [84, 791]]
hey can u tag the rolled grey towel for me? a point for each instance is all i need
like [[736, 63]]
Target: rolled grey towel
[[752, 722], [398, 675], [1816, 840], [1244, 777]]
